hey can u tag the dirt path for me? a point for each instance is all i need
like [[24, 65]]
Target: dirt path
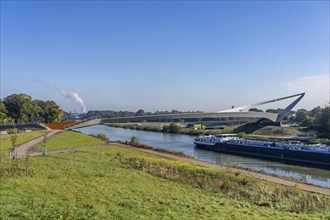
[[23, 149], [273, 179]]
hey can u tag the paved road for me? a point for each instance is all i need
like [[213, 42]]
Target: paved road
[[23, 149]]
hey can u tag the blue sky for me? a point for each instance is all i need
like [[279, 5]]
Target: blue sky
[[184, 55]]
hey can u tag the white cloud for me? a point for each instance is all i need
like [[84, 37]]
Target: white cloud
[[316, 88]]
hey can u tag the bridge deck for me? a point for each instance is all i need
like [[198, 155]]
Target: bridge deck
[[261, 115]]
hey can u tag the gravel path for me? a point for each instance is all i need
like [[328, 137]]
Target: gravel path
[[23, 149]]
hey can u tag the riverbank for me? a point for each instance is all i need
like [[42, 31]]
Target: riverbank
[[77, 144], [184, 143], [247, 131], [109, 183], [112, 181], [248, 173]]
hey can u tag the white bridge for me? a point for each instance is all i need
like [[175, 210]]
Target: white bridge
[[234, 112]]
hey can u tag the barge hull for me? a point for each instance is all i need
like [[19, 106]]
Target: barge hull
[[306, 157]]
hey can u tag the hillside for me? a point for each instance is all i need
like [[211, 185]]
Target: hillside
[[120, 183]]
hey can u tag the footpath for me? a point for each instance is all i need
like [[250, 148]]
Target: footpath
[[24, 149]]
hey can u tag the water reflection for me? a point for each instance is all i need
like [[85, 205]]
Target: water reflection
[[184, 143]]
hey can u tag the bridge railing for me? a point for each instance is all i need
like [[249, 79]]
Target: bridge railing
[[79, 122]]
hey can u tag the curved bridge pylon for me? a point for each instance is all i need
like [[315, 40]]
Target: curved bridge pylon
[[281, 115], [273, 118]]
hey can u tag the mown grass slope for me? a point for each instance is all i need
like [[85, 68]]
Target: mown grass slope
[[5, 141], [102, 184], [69, 139]]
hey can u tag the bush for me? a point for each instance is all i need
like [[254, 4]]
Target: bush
[[134, 141], [173, 128], [101, 136]]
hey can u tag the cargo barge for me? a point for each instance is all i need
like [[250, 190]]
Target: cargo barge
[[291, 151]]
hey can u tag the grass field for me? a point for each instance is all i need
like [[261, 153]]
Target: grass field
[[95, 184], [69, 139], [5, 142], [112, 182], [109, 183]]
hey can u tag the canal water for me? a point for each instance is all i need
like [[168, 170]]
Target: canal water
[[184, 143]]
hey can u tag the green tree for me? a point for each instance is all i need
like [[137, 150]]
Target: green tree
[[13, 140], [255, 110], [173, 128], [33, 111], [13, 137], [22, 108], [301, 115], [52, 112], [140, 112], [3, 108], [315, 111], [3, 113], [165, 128], [308, 121], [271, 110], [277, 111], [323, 120], [16, 104]]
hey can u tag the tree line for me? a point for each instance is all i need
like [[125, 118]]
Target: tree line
[[21, 108], [140, 112], [317, 119]]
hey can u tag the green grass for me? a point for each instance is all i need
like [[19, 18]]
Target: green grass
[[5, 142], [69, 139], [96, 184], [233, 184], [121, 183], [276, 131]]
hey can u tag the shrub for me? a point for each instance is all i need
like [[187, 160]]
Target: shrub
[[134, 141]]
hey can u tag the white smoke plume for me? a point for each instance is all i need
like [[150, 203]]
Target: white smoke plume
[[73, 96]]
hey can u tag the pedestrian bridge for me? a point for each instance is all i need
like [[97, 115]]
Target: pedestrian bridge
[[234, 112]]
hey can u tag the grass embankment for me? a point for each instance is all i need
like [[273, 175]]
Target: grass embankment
[[112, 183], [68, 140], [122, 183], [5, 141]]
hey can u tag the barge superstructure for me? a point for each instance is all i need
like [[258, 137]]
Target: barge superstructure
[[294, 151]]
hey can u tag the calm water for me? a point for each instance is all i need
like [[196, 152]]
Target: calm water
[[184, 143]]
